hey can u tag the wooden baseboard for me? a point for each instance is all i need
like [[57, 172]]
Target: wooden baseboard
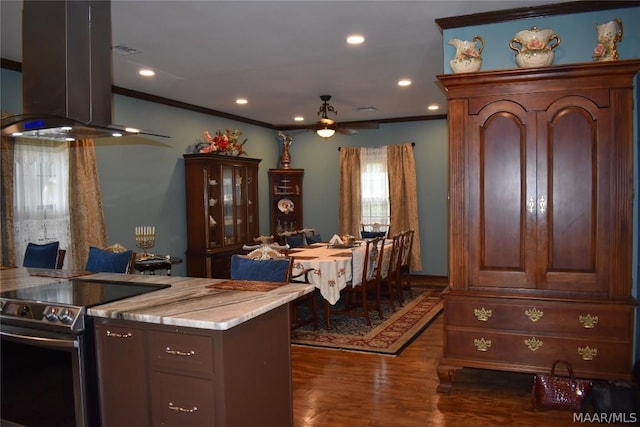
[[423, 279]]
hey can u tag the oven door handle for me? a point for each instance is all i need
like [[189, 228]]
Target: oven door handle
[[54, 343]]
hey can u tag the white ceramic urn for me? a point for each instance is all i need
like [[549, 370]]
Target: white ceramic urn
[[536, 47]]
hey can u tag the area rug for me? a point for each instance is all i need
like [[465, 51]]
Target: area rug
[[389, 335]]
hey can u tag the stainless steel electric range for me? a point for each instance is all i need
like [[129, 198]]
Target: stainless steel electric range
[[48, 375]]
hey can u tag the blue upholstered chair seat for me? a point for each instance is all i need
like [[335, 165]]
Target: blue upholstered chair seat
[[41, 256], [267, 270], [101, 261]]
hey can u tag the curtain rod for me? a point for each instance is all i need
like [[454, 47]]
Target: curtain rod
[[413, 144]]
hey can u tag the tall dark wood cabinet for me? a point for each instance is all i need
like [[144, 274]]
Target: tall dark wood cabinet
[[285, 195], [222, 211], [540, 220]]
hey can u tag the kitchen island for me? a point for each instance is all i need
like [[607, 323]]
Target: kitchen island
[[202, 352]]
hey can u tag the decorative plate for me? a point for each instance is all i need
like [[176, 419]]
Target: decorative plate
[[285, 205]]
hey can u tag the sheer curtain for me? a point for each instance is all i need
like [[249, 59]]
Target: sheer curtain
[[40, 202], [375, 186]]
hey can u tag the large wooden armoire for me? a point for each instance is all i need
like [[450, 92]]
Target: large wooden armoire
[[540, 220], [222, 211]]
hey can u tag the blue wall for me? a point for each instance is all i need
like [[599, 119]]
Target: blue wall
[[142, 177]]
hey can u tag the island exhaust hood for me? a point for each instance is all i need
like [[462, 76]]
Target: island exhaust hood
[[66, 72]]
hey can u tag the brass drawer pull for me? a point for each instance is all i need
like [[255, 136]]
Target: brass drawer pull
[[180, 409], [588, 321], [531, 204], [482, 344], [482, 314], [587, 353], [179, 353], [534, 314], [117, 335], [533, 343]]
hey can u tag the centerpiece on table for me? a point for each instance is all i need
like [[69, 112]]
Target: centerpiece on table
[[225, 143]]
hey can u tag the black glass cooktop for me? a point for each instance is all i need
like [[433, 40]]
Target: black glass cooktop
[[83, 293]]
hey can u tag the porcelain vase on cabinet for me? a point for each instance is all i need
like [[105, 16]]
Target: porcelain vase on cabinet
[[536, 47], [467, 59], [608, 35]]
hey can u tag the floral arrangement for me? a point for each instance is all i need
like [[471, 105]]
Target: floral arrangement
[[227, 142]]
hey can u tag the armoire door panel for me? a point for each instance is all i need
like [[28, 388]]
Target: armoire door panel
[[501, 159], [572, 176]]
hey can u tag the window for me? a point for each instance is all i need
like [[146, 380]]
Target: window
[[41, 202], [375, 186]]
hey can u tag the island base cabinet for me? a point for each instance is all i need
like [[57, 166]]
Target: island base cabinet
[[179, 376]]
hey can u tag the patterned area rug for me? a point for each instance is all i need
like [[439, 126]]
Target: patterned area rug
[[389, 335]]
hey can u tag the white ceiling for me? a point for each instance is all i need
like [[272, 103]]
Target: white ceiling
[[280, 55]]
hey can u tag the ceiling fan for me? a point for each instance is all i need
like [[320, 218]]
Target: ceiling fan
[[326, 127]]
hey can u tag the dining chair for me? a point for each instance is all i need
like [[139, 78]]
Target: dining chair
[[392, 277], [405, 264], [310, 236], [47, 255], [293, 238], [370, 231], [110, 261], [370, 284], [267, 263]]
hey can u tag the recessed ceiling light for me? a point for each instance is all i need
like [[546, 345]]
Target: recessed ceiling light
[[298, 118], [132, 130], [242, 101], [433, 107], [146, 72], [355, 39], [404, 82]]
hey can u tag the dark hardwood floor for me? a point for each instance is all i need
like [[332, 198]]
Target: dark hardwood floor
[[338, 388]]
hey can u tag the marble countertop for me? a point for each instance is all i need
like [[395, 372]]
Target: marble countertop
[[189, 302]]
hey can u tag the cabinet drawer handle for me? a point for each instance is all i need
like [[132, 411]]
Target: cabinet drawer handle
[[588, 321], [534, 314], [587, 353], [179, 353], [482, 344], [483, 314], [533, 343], [117, 335], [181, 409]]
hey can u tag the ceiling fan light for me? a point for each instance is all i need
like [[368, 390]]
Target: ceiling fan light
[[327, 121], [325, 132]]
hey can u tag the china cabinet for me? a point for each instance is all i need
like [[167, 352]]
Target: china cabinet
[[222, 211], [540, 217], [285, 191]]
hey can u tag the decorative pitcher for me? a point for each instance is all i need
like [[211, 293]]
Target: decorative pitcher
[[536, 47], [467, 59], [608, 35]]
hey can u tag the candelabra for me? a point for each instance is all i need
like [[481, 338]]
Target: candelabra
[[145, 238]]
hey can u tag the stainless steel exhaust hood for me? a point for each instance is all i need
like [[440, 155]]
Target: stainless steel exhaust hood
[[66, 71]]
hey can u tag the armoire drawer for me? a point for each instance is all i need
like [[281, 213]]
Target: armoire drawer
[[589, 355], [184, 352], [589, 320]]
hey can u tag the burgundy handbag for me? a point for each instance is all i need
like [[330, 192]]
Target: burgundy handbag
[[556, 392]]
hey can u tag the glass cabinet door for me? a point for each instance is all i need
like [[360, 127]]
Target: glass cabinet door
[[213, 206]]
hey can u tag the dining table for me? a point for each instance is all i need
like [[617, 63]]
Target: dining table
[[334, 267]]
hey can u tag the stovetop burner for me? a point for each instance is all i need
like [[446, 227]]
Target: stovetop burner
[[62, 305]]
